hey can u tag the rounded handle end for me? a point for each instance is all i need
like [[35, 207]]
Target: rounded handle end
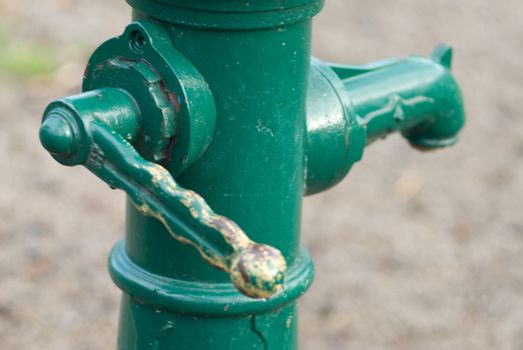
[[259, 271], [57, 135]]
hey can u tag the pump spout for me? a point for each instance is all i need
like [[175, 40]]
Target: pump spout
[[416, 96]]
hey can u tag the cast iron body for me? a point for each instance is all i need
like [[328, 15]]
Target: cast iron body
[[222, 98]]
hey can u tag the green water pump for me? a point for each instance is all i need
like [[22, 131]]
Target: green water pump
[[213, 118]]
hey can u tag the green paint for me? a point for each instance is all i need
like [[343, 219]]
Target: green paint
[[221, 97], [352, 106], [229, 15], [74, 135], [171, 93]]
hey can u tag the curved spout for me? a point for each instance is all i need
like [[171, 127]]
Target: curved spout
[[417, 96], [350, 107]]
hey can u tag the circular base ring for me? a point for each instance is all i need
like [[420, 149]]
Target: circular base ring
[[216, 299]]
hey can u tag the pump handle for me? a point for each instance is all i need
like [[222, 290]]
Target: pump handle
[[101, 141]]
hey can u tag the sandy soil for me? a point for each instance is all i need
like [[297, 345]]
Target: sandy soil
[[413, 251]]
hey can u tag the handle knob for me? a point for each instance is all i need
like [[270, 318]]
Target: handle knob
[[95, 129]]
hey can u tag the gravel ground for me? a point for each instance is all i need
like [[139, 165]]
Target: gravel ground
[[413, 251]]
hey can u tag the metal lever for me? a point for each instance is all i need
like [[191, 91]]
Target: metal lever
[[96, 129]]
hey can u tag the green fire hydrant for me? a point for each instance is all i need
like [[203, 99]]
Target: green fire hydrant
[[218, 104]]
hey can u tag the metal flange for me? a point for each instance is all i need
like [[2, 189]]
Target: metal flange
[[176, 104]]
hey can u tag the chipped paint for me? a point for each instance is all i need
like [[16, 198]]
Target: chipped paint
[[256, 270], [259, 271], [288, 323]]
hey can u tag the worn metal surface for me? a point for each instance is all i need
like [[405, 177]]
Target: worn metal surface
[[254, 171], [75, 135], [162, 85]]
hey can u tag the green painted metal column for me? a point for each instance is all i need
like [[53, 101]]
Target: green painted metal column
[[215, 120], [256, 61]]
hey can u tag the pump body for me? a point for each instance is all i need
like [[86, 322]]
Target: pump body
[[218, 104]]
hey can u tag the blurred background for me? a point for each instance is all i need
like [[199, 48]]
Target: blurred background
[[413, 251]]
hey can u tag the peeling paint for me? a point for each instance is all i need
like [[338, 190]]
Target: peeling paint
[[256, 270], [157, 342]]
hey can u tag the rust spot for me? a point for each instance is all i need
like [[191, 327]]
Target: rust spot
[[175, 100]]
